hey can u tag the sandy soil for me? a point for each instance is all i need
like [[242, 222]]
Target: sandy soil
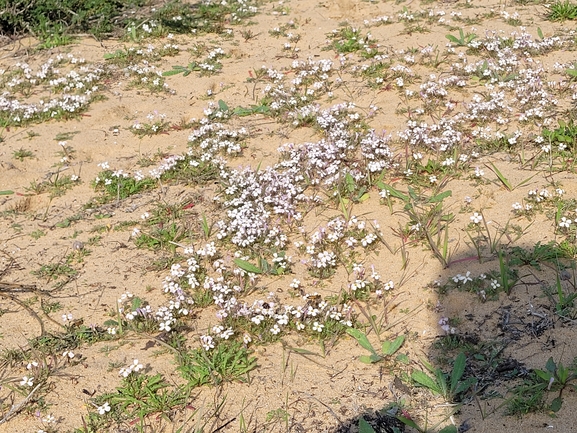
[[320, 389]]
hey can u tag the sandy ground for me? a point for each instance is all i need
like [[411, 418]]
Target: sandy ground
[[319, 391]]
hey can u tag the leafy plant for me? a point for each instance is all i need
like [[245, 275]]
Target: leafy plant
[[562, 10], [142, 395], [429, 221], [463, 40], [448, 386], [21, 154], [228, 361], [388, 348], [530, 395], [52, 20]]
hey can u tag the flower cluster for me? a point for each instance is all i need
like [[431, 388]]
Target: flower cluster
[[134, 367]]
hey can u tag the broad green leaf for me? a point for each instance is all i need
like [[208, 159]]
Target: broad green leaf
[[458, 370], [247, 266], [365, 427], [556, 404], [465, 385], [361, 339], [408, 422], [440, 197], [540, 33], [403, 358], [551, 366], [222, 105], [364, 197], [390, 347], [545, 375], [453, 39], [6, 192], [392, 191], [425, 380], [136, 303], [449, 429], [370, 359], [174, 71]]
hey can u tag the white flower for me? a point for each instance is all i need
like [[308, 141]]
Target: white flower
[[103, 409], [476, 218], [27, 381], [318, 327]]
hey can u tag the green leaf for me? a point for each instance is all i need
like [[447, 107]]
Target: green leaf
[[174, 71], [540, 33], [136, 303], [222, 105], [408, 422], [403, 358], [6, 192], [501, 177], [363, 197], [425, 380], [551, 366], [392, 191], [361, 339], [453, 39], [449, 429], [247, 266], [365, 427], [390, 347], [465, 385], [556, 404], [458, 370], [370, 359], [440, 197], [544, 375]]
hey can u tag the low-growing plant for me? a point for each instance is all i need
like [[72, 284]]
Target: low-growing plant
[[142, 395], [228, 361], [562, 10], [21, 154], [463, 39], [388, 348], [448, 385]]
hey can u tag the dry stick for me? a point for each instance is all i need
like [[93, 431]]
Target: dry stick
[[24, 288], [327, 407], [15, 409], [14, 287], [30, 310]]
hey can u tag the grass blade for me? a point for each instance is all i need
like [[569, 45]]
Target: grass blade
[[501, 177]]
